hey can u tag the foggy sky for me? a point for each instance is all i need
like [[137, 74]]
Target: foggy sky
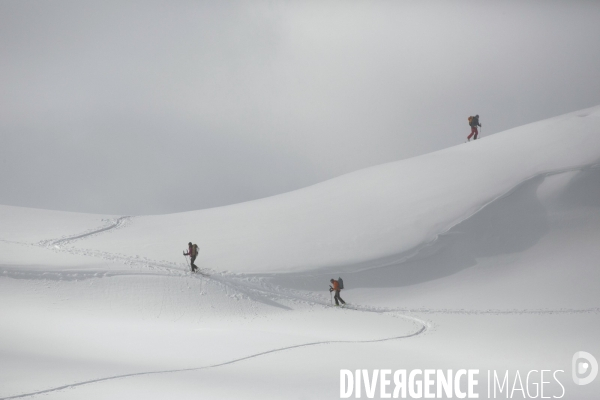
[[147, 107]]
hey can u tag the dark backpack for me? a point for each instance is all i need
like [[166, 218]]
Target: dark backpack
[[341, 283], [196, 249]]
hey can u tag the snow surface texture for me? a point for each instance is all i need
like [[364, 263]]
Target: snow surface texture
[[484, 255]]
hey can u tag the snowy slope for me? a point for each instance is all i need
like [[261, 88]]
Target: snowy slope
[[483, 256], [369, 214], [21, 224]]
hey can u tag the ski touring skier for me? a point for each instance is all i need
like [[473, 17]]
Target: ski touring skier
[[473, 123], [336, 287], [193, 253]]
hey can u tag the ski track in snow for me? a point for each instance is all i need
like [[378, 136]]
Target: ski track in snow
[[74, 385], [115, 224]]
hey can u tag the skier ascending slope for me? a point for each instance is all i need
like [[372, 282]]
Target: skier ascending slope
[[336, 287], [193, 253], [473, 123]]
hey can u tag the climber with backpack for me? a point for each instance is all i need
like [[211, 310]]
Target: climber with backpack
[[193, 253], [336, 286], [473, 123]]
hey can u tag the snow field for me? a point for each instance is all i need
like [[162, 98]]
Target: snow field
[[480, 256]]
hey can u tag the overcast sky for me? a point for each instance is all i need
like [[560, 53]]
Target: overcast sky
[[149, 107]]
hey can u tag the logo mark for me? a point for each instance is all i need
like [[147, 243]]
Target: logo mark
[[585, 368]]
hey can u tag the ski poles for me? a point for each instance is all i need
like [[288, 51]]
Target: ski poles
[[186, 262]]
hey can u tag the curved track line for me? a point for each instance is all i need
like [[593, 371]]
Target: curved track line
[[423, 328], [58, 242]]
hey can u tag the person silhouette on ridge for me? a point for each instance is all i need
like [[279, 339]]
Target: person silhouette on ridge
[[473, 123]]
